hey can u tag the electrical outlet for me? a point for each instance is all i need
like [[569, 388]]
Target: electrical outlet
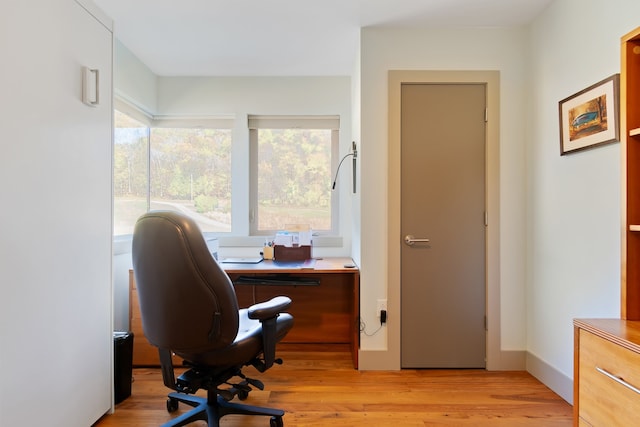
[[382, 305]]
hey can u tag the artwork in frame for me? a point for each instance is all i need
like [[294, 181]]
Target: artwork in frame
[[590, 117]]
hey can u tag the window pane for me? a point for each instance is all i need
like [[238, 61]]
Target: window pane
[[129, 172], [294, 178], [191, 173]]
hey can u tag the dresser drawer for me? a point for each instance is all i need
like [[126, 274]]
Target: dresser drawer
[[583, 423], [603, 400]]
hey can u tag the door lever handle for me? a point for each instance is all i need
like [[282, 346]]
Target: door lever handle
[[410, 240]]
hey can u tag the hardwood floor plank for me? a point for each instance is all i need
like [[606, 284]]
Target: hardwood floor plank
[[321, 388]]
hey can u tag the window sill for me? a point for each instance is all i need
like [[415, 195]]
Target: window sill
[[122, 244], [258, 241]]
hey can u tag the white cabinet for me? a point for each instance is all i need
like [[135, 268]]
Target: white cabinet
[[55, 219]]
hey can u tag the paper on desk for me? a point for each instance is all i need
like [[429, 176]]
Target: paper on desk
[[301, 233], [290, 238], [304, 238], [283, 239]]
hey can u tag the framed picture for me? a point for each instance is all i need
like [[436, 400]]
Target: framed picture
[[590, 117]]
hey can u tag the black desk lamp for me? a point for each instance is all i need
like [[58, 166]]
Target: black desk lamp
[[354, 153]]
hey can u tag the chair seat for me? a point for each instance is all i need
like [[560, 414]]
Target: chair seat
[[246, 346]]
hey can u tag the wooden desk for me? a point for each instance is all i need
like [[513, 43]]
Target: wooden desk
[[325, 302]]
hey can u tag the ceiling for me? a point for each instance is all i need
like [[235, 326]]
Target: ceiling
[[283, 37]]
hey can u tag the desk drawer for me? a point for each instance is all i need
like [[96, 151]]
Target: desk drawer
[[603, 400]]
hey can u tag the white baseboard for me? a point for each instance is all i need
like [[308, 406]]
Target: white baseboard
[[376, 360], [551, 377], [507, 360]]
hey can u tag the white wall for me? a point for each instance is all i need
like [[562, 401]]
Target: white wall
[[573, 201], [356, 205], [559, 216], [440, 49], [133, 81]]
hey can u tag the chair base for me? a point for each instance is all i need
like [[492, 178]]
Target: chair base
[[213, 408]]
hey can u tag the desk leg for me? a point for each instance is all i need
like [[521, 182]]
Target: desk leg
[[355, 323]]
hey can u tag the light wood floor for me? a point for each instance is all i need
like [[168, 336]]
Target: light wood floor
[[318, 389]]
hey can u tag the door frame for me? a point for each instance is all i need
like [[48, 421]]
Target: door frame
[[496, 359]]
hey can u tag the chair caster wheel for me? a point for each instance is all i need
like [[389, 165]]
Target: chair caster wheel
[[276, 422], [242, 395], [172, 405]]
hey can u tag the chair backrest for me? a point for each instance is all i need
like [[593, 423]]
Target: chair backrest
[[187, 301]]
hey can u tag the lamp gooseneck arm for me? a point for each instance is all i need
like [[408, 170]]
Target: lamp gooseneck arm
[[338, 170], [353, 153]]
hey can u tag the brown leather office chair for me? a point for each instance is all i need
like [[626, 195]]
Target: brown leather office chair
[[189, 307]]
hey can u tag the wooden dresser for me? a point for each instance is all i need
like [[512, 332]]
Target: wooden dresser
[[606, 372], [606, 386]]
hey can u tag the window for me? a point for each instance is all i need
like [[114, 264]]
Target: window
[[184, 164], [291, 163], [191, 172], [176, 164], [130, 172]]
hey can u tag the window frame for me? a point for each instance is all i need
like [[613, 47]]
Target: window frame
[[166, 121], [243, 231], [145, 119], [257, 122]]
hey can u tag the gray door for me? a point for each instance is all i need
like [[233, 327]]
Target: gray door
[[443, 201]]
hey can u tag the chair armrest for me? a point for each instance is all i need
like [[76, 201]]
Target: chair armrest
[[269, 309], [267, 313]]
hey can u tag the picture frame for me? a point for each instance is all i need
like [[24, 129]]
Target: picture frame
[[590, 118]]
